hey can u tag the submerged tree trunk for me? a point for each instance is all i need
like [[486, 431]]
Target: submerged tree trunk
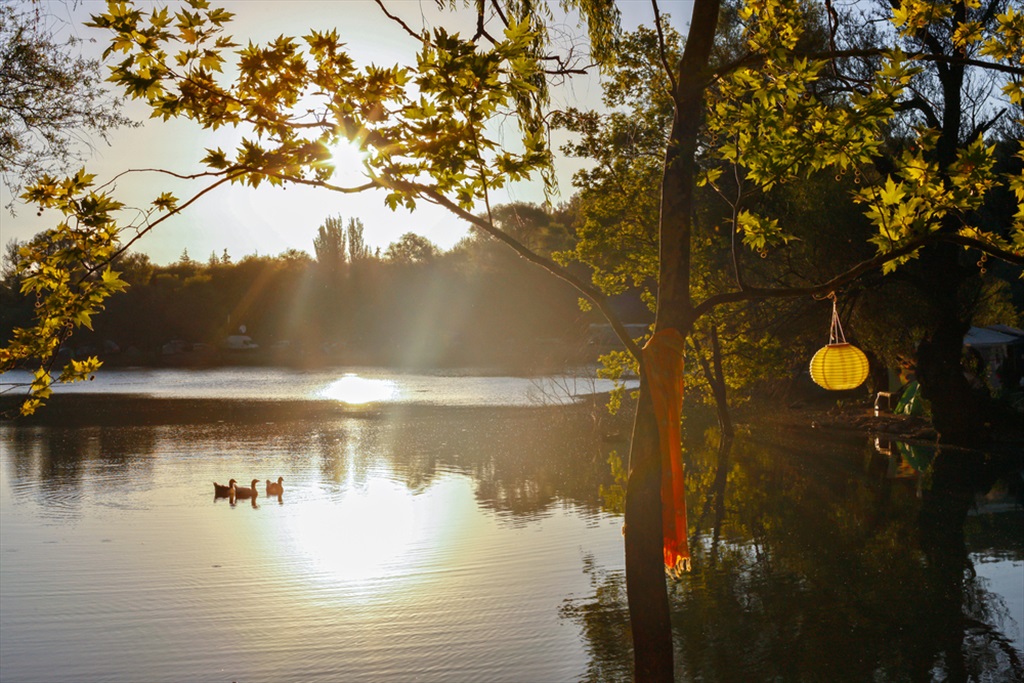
[[715, 376], [718, 387], [645, 569]]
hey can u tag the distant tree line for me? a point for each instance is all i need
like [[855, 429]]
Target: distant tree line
[[413, 304]]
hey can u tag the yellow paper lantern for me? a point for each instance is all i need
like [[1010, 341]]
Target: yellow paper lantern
[[839, 365]]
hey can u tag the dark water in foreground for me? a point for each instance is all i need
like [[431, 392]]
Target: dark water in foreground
[[470, 544]]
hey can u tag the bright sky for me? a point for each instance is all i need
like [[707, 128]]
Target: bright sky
[[268, 220]]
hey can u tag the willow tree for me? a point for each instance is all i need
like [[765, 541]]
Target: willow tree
[[433, 131], [51, 98]]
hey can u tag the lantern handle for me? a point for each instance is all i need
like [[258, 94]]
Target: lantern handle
[[835, 332]]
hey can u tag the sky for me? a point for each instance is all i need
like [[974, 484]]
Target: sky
[[267, 221]]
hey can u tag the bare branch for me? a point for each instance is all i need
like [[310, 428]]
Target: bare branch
[[587, 290], [669, 71], [760, 293], [226, 178], [397, 20]]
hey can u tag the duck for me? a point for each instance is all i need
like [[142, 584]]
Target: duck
[[275, 489], [222, 491], [246, 492]]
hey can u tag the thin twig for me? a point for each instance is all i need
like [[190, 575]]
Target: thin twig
[[669, 71], [397, 20]]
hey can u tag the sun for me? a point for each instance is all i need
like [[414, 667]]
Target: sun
[[349, 163]]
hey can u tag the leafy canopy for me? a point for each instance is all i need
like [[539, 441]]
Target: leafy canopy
[[430, 129]]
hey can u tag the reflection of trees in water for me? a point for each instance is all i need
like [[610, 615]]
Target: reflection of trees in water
[[523, 462], [972, 644], [526, 465], [54, 464], [605, 624], [810, 564]]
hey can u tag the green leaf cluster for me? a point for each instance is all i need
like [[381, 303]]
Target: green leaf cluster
[[65, 269]]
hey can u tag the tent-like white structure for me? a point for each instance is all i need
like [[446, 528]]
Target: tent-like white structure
[[1002, 348]]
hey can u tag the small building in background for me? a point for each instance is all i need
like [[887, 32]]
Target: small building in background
[[1001, 349], [239, 342]]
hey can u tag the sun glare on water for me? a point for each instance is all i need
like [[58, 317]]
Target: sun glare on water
[[377, 535], [364, 536], [357, 390]]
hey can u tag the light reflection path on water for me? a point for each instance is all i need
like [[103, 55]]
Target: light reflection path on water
[[351, 385], [357, 390], [393, 554], [365, 534]]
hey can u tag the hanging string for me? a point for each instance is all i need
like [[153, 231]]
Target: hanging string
[[835, 331]]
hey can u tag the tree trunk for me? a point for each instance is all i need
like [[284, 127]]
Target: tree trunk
[[644, 541], [957, 413], [645, 569]]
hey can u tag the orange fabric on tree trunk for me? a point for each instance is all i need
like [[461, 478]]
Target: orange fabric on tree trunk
[[663, 366]]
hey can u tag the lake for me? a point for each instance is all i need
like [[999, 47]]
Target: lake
[[447, 528]]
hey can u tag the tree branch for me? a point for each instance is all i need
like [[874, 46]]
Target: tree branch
[[760, 293], [669, 71], [1014, 257], [397, 20], [756, 58], [589, 291]]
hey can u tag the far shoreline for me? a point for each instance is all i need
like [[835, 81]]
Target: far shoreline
[[75, 410], [104, 409]]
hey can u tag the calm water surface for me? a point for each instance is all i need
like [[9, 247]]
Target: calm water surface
[[474, 545], [355, 385]]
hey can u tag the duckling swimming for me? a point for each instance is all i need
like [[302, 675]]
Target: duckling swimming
[[246, 492], [222, 491], [275, 489]]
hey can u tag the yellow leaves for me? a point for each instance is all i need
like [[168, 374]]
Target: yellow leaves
[[165, 202], [67, 270], [922, 197], [892, 193], [518, 33], [112, 281], [967, 33], [709, 176], [760, 233], [41, 382], [913, 15]]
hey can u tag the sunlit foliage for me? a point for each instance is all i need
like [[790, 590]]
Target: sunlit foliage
[[434, 130]]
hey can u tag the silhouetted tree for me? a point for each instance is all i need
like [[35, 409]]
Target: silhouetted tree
[[411, 248], [51, 97]]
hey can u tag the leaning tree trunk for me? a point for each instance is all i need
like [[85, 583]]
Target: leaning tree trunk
[[644, 541]]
